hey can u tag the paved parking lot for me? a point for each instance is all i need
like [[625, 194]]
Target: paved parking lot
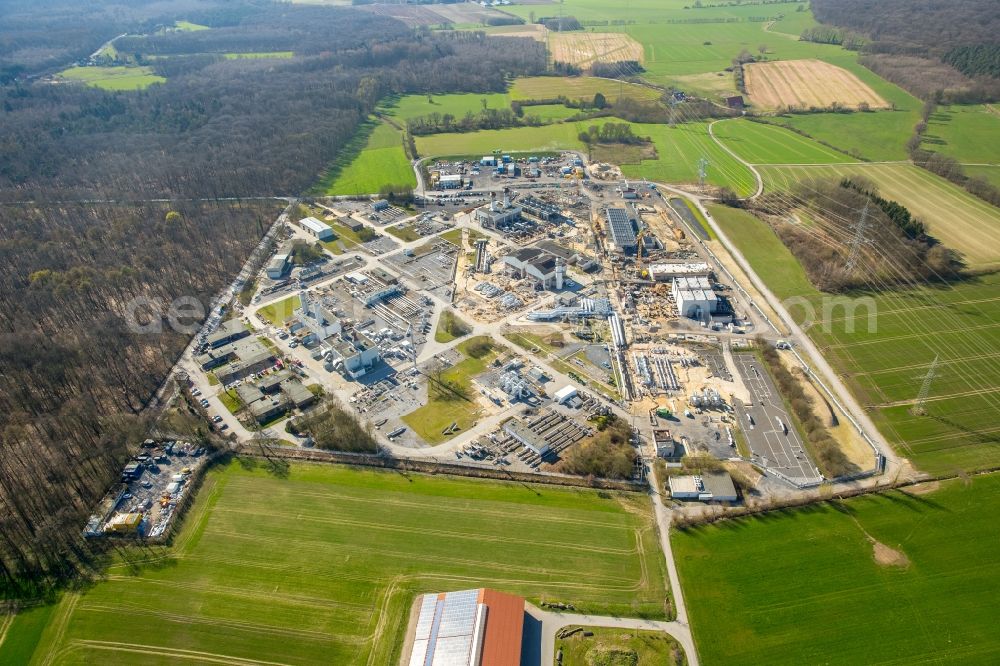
[[768, 427]]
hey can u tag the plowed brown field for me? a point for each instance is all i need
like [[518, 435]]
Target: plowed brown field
[[806, 83], [586, 48]]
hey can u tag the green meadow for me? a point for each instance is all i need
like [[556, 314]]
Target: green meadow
[[113, 78], [319, 564], [760, 143], [804, 586], [970, 134], [366, 167]]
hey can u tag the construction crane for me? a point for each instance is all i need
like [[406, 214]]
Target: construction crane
[[638, 252]]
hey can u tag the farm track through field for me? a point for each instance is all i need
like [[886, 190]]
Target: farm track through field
[[939, 398], [5, 627], [61, 621], [319, 602], [364, 524], [753, 170], [214, 621], [175, 653], [269, 566], [950, 436]]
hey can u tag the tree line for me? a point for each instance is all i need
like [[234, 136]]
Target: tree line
[[922, 45]]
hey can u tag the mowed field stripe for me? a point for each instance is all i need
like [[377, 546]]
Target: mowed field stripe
[[216, 621], [460, 506], [477, 563], [423, 530]]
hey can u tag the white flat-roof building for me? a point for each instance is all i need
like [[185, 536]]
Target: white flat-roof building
[[667, 272], [694, 297], [451, 181], [712, 487], [314, 227], [565, 394]]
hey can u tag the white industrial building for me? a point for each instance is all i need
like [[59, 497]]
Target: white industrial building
[[278, 266], [451, 181], [499, 214], [317, 318], [711, 487], [694, 297], [354, 354], [314, 227], [565, 394], [545, 269], [668, 271]]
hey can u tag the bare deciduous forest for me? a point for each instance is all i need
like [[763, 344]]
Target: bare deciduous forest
[[80, 237], [926, 46]]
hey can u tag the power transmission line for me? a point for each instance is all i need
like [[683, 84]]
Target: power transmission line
[[859, 238], [920, 408]]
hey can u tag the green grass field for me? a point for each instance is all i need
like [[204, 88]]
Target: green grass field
[[803, 587], [20, 637], [955, 217], [368, 166], [563, 136], [579, 87], [258, 55], [678, 150], [443, 407], [457, 104], [884, 365], [113, 78], [318, 564], [187, 26], [877, 136], [759, 143], [990, 174], [967, 133], [277, 313]]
